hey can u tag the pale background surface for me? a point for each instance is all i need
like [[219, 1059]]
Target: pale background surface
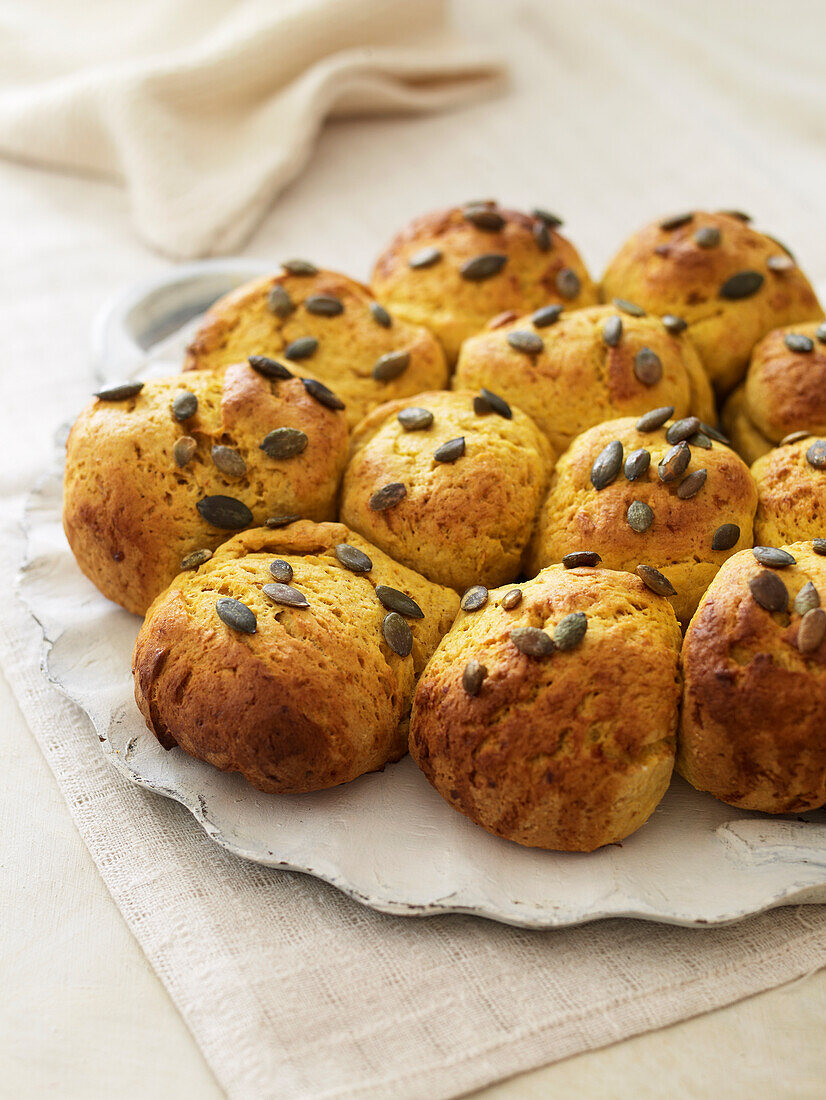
[[82, 1013]]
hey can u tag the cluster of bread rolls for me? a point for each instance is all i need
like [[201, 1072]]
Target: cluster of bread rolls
[[467, 510]]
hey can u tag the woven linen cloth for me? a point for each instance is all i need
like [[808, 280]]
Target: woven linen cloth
[[206, 110]]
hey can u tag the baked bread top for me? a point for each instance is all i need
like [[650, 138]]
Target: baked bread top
[[786, 382], [791, 489]]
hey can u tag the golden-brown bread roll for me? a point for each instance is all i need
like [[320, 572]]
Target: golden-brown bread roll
[[755, 685], [565, 744], [791, 493], [325, 326], [730, 283], [453, 270], [588, 366], [743, 435], [179, 467], [320, 692], [685, 529], [467, 485]]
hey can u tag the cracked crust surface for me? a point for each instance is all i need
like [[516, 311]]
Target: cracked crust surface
[[791, 503], [460, 523], [575, 516], [666, 271], [315, 697], [577, 380], [571, 751], [754, 706]]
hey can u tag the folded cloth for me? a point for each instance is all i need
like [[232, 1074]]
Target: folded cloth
[[206, 109]]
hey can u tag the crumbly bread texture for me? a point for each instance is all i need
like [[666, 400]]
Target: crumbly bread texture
[[754, 705], [130, 512], [454, 307], [459, 523], [350, 342], [791, 496], [570, 751], [315, 697], [577, 379], [666, 270], [678, 542]]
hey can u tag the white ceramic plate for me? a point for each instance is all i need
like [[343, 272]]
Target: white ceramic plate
[[388, 839]]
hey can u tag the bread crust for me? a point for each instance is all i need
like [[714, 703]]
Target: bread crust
[[791, 504]]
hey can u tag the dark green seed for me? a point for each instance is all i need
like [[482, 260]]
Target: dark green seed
[[570, 631], [184, 450], [511, 599], [807, 598], [708, 236], [228, 461], [726, 536], [779, 244], [700, 439], [450, 451], [567, 283], [324, 305], [796, 341], [738, 214], [281, 571], [483, 217], [673, 324], [284, 443], [528, 342], [639, 516], [607, 465], [741, 285], [690, 486], [475, 597], [780, 263], [532, 641], [195, 559], [612, 331], [279, 302], [773, 557], [322, 394], [283, 520], [302, 348], [819, 546], [394, 600], [637, 464], [225, 512], [387, 497], [426, 257], [654, 580], [380, 315], [547, 315], [542, 236], [676, 221], [647, 367], [285, 594], [650, 421], [269, 368], [582, 559], [120, 392], [630, 308], [184, 405], [816, 455], [391, 365], [793, 437], [682, 429], [673, 463], [769, 591], [812, 630], [352, 558], [299, 267], [236, 615], [397, 633], [415, 419], [483, 267], [473, 677], [820, 333], [488, 402], [714, 433], [551, 220]]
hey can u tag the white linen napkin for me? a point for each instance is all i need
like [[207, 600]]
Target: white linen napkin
[[206, 109]]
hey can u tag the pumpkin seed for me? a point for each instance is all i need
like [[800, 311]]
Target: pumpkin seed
[[654, 580], [391, 365], [532, 641], [714, 433], [551, 220], [682, 429], [488, 402], [816, 455], [415, 419], [184, 405], [812, 630], [352, 558], [708, 236], [542, 236], [648, 367], [570, 631], [547, 315], [483, 217], [819, 546], [380, 315], [279, 302], [738, 214], [394, 600], [676, 221], [483, 267], [387, 497], [302, 348], [612, 331], [639, 516], [184, 450], [284, 443], [567, 283], [473, 677], [690, 486], [581, 559], [225, 512], [324, 305], [742, 285], [807, 598], [450, 451], [269, 368], [630, 308], [769, 591], [425, 257], [195, 559], [475, 597], [285, 594], [637, 464], [673, 463], [323, 395], [511, 599], [650, 421], [820, 333], [282, 520], [528, 342], [674, 324], [281, 571], [607, 465], [792, 437], [780, 263], [120, 392], [700, 439], [397, 633], [299, 267], [726, 536], [796, 341], [773, 557], [236, 615], [228, 461]]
